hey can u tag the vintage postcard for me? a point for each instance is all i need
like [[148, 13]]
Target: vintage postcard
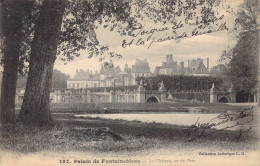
[[129, 82]]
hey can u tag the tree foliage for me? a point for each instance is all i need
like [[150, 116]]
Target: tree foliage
[[179, 82], [59, 80], [13, 18], [29, 10], [242, 61], [244, 64], [82, 18]]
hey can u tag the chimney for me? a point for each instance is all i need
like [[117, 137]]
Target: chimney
[[182, 64], [182, 68], [208, 64], [188, 63], [77, 71], [126, 68]]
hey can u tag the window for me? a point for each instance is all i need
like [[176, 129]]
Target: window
[[73, 85], [77, 85], [86, 85]]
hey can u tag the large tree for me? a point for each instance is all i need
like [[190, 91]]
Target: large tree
[[14, 15], [243, 60], [35, 107], [244, 63], [66, 27]]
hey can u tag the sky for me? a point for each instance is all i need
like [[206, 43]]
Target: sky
[[202, 46], [191, 47]]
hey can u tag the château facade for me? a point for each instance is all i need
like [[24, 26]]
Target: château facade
[[110, 76], [171, 67], [196, 66]]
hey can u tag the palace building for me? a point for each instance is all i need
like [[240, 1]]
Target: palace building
[[84, 79], [196, 66], [171, 67], [110, 76]]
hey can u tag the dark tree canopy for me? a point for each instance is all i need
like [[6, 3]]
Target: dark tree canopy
[[242, 61], [179, 82], [244, 64], [28, 10], [59, 80]]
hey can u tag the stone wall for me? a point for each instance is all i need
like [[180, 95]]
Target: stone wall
[[86, 96]]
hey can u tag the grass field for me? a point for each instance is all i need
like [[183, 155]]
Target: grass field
[[96, 135], [117, 136], [141, 107]]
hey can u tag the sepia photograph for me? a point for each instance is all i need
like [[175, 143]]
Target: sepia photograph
[[129, 82]]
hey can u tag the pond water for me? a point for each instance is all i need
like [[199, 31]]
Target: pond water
[[182, 119]]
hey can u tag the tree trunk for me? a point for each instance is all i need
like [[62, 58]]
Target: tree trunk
[[36, 104], [11, 32]]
